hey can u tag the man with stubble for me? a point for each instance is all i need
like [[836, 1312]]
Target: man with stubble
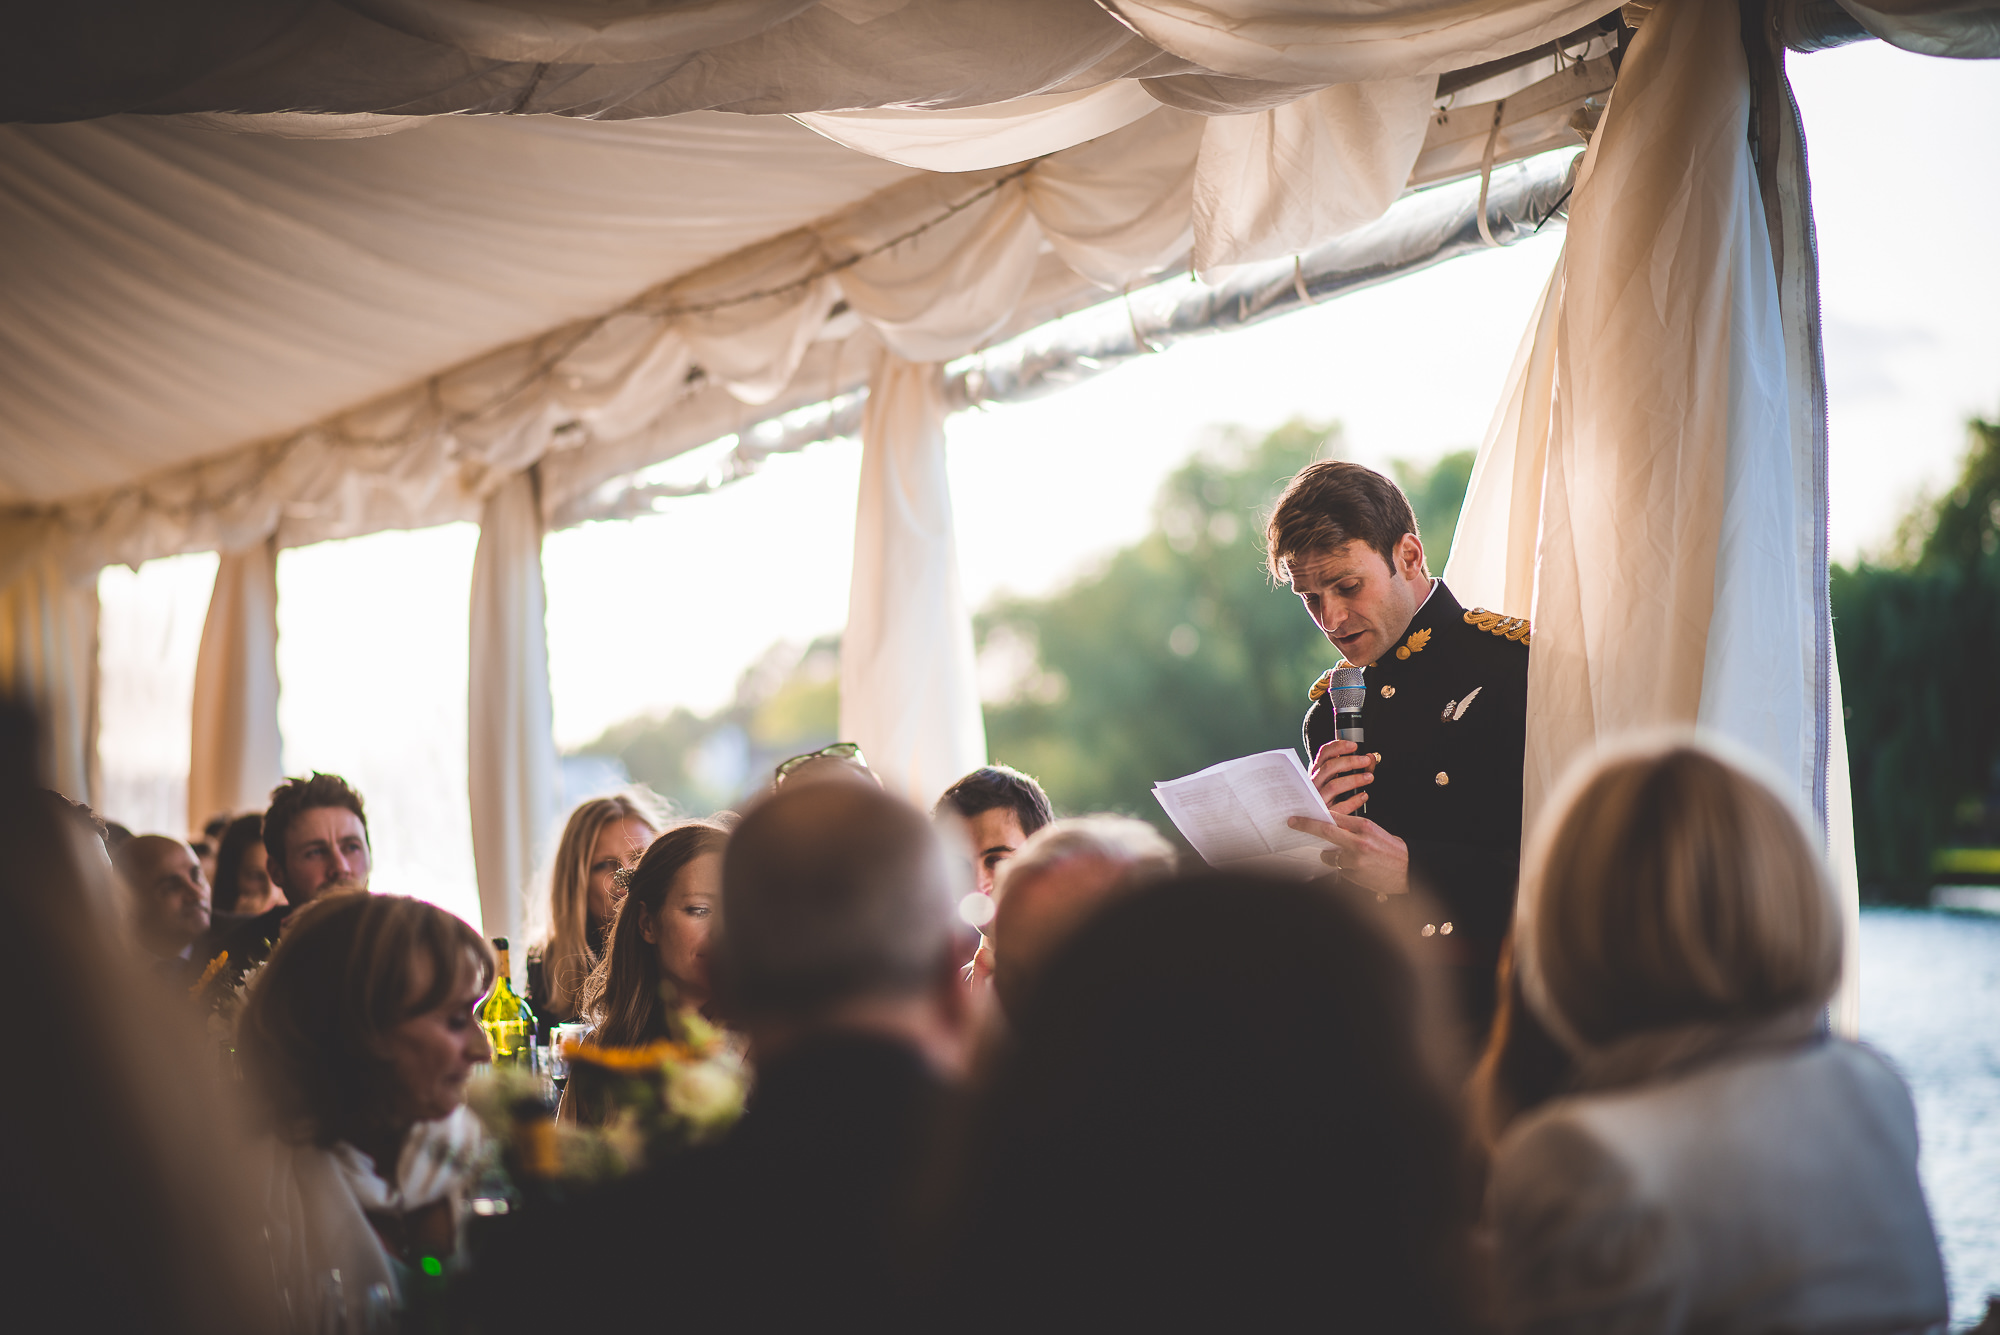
[[1435, 801], [315, 841]]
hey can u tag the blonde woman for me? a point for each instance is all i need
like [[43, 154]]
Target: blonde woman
[[1720, 1163], [604, 836]]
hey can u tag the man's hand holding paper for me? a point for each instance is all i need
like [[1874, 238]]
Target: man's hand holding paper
[[1242, 813], [1363, 852]]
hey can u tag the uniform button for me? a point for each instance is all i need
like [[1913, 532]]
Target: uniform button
[[1388, 692], [1430, 929], [1442, 779], [1444, 929]]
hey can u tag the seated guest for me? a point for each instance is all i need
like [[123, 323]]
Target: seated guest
[[1222, 1108], [315, 841], [358, 1038], [602, 837], [837, 955], [210, 843], [92, 829], [995, 809], [243, 886], [658, 957], [1000, 808], [1724, 1165], [169, 897], [1062, 874], [129, 1211]]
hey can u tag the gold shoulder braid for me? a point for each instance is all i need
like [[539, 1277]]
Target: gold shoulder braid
[[1325, 681], [1507, 628]]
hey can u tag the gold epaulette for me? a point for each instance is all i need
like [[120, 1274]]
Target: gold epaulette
[[1507, 628], [1325, 681]]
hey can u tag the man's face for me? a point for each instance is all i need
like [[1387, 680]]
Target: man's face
[[325, 848], [171, 893], [995, 836], [1361, 602]]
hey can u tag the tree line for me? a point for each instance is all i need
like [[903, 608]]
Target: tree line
[[1177, 652]]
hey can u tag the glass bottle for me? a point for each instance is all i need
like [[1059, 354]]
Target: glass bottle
[[507, 1020]]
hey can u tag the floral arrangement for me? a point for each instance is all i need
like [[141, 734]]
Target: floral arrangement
[[222, 990], [656, 1100]]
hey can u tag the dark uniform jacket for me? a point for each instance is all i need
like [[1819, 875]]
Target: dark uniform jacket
[[1447, 712]]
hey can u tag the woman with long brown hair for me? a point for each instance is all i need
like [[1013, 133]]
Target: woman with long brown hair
[[657, 959], [603, 837]]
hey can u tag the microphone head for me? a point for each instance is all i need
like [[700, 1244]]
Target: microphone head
[[1348, 690]]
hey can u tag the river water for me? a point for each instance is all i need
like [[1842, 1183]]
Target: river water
[[1930, 1002]]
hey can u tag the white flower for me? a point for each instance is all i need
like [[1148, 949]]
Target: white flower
[[705, 1094]]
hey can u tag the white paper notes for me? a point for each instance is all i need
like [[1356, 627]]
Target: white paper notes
[[1234, 813]]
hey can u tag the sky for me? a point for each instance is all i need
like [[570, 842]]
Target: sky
[[667, 611]]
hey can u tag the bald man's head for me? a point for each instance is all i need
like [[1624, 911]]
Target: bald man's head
[[832, 892], [1062, 875], [169, 892]]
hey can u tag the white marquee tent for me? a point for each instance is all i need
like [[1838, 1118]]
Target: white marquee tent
[[277, 273]]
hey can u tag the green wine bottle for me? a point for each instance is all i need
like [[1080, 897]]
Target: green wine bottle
[[507, 1020]]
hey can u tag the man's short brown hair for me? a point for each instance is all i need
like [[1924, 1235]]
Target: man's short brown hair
[[294, 797], [1329, 504]]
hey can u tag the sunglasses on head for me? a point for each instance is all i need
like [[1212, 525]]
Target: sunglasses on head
[[848, 751]]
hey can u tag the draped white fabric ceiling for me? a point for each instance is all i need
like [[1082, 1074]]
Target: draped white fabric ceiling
[[172, 290], [297, 230], [298, 296]]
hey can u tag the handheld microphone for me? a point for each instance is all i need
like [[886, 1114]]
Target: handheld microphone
[[1347, 693]]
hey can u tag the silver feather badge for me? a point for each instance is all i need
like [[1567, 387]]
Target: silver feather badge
[[1454, 710]]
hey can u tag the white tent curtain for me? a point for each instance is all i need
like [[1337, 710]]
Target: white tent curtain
[[1644, 438], [1646, 490], [514, 775], [908, 688], [235, 754], [48, 657]]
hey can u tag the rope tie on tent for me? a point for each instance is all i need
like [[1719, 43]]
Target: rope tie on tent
[[1299, 279], [1486, 171], [1132, 317]]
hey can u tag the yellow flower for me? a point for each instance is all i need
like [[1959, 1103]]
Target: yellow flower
[[208, 974], [629, 1061]]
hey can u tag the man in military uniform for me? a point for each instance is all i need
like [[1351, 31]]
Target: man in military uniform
[[1434, 802]]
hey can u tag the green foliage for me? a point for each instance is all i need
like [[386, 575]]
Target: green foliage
[[1918, 640], [786, 703], [1437, 494], [1179, 652]]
